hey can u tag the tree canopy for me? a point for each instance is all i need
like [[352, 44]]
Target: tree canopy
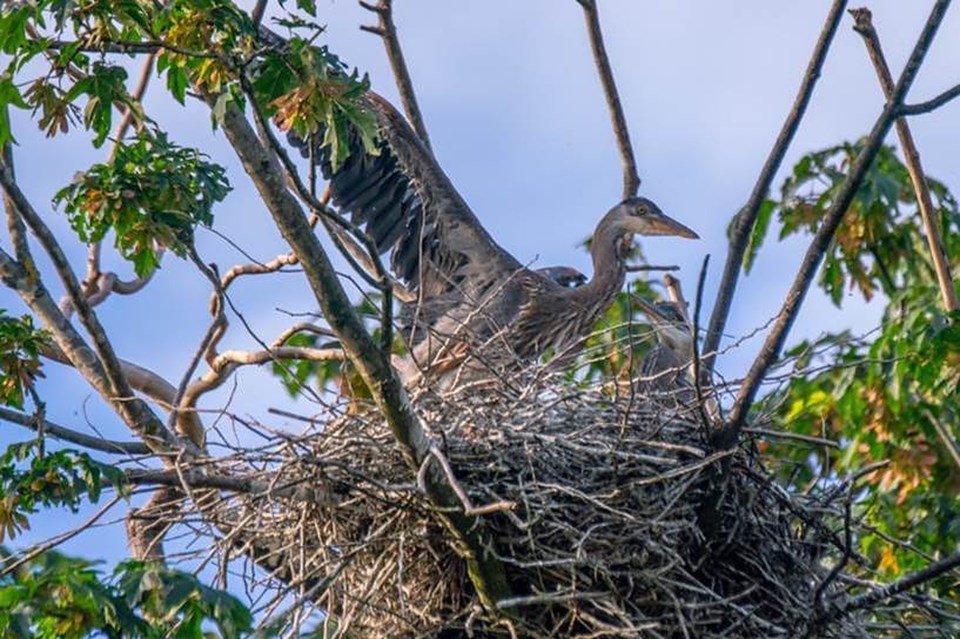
[[466, 508]]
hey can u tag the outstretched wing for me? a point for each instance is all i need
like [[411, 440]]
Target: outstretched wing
[[405, 202]]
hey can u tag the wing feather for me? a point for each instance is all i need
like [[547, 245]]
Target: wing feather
[[407, 204]]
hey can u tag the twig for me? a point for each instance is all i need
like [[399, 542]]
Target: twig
[[941, 265], [73, 436], [831, 220], [912, 580], [631, 179], [931, 104], [744, 220], [809, 439], [387, 30], [59, 539], [695, 338], [468, 508], [641, 268]]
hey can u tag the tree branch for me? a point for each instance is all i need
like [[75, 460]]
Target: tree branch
[[631, 180], [744, 220], [73, 436], [877, 595], [387, 30], [941, 265], [931, 104], [828, 226], [104, 372], [486, 572]]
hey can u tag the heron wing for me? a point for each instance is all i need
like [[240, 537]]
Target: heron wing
[[406, 203]]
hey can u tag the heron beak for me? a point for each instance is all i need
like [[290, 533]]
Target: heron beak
[[660, 224]]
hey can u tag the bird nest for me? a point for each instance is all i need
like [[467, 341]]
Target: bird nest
[[609, 516]]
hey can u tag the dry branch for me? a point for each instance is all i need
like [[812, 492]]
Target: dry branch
[[631, 179], [828, 226], [387, 30], [938, 252], [744, 220], [931, 104]]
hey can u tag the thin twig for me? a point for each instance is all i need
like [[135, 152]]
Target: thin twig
[[642, 268], [744, 220], [73, 436], [631, 179], [698, 379], [831, 221], [912, 580], [931, 104], [941, 264], [59, 539], [387, 30]]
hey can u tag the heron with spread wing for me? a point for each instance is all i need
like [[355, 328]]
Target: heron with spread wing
[[469, 293]]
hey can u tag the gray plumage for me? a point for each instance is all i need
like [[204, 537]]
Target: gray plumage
[[473, 298]]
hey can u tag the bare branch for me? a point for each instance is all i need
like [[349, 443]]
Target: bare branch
[[831, 220], [941, 264], [73, 436], [744, 220], [643, 268], [38, 550], [631, 179], [877, 595], [245, 358], [387, 30], [931, 104]]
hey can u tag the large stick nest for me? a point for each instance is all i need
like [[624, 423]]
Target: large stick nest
[[621, 524]]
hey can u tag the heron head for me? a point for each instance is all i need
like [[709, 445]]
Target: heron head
[[641, 216]]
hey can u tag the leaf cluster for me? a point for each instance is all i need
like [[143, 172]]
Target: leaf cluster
[[311, 92], [55, 596], [20, 344], [890, 397], [31, 477], [152, 193]]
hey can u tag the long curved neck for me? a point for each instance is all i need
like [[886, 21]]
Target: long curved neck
[[609, 269]]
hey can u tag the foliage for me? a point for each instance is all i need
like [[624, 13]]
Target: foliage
[[54, 596], [31, 477], [151, 194], [20, 344], [310, 91], [889, 398]]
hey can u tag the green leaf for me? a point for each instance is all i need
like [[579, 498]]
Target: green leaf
[[758, 233]]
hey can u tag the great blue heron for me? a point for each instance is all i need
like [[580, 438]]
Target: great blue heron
[[469, 292], [667, 364]]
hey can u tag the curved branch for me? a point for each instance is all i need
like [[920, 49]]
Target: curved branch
[[115, 388], [631, 179], [744, 220], [931, 104]]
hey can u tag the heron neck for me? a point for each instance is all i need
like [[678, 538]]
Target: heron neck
[[609, 268]]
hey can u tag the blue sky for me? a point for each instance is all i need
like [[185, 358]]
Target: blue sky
[[518, 121]]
